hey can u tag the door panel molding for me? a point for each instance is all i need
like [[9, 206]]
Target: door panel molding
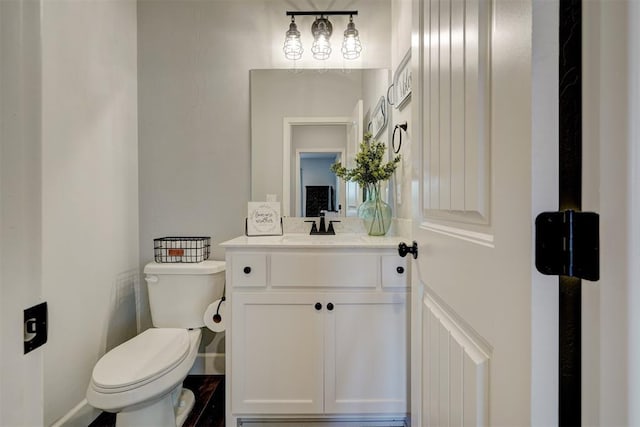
[[456, 97], [455, 370], [478, 238]]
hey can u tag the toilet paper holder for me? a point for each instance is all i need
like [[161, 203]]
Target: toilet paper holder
[[216, 317]]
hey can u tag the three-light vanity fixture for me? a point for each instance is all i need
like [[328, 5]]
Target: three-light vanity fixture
[[321, 30]]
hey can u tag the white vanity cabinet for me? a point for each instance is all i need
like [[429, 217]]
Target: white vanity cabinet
[[316, 331]]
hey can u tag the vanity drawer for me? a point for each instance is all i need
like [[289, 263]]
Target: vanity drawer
[[249, 270], [395, 273], [327, 270]]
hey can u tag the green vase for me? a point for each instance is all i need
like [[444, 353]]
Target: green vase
[[375, 213]]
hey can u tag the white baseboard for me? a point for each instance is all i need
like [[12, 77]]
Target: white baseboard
[[208, 364], [81, 415]]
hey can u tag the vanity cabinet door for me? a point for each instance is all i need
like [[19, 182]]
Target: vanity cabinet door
[[277, 341], [366, 353]]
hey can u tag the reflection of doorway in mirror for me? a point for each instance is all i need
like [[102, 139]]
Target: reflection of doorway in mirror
[[319, 188], [311, 135]]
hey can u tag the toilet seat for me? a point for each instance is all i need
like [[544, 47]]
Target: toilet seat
[[141, 360], [146, 391]]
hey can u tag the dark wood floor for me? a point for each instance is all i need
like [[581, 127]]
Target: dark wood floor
[[208, 410]]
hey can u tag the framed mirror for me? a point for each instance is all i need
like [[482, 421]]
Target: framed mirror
[[297, 119]]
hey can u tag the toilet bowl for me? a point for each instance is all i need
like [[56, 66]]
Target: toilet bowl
[[134, 378], [141, 379]]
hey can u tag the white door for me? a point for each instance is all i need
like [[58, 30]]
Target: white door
[[472, 303]]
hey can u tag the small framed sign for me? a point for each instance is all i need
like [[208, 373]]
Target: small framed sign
[[379, 117], [402, 82], [263, 219]]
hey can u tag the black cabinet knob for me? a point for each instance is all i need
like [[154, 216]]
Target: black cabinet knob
[[318, 306], [330, 306], [247, 270], [400, 270]]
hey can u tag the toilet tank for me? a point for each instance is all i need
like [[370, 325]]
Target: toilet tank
[[179, 293]]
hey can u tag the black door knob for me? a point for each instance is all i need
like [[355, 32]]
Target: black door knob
[[318, 306], [400, 270], [247, 270], [330, 306]]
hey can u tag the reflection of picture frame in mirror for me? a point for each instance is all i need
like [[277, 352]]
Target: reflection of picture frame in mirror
[[379, 118], [402, 82]]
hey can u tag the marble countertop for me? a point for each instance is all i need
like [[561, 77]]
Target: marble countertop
[[303, 240]]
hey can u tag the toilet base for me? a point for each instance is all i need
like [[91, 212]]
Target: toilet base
[[165, 412], [185, 405]]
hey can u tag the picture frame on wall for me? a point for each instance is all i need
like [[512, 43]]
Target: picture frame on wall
[[379, 118], [402, 82]]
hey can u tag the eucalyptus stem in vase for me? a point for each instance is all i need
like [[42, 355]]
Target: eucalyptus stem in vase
[[368, 172]]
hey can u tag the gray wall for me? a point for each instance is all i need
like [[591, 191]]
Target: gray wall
[[194, 62], [20, 212], [89, 190], [194, 125], [69, 175]]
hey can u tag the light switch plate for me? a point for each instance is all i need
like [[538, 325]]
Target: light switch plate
[[35, 327]]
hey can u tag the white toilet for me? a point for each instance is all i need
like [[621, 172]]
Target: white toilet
[[141, 379]]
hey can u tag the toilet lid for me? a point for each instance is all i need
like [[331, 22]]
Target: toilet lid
[[142, 358]]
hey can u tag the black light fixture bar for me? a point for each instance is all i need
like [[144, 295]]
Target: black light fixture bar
[[321, 12]]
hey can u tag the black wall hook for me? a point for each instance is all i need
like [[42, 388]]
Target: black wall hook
[[402, 126]]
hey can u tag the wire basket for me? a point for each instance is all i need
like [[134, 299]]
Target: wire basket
[[181, 249]]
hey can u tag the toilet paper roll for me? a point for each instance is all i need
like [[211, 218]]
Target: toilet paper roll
[[215, 316]]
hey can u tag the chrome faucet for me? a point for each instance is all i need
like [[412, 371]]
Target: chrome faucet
[[322, 230]]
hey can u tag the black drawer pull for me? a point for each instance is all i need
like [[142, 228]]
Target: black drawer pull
[[330, 306], [318, 306], [400, 270], [247, 270]]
